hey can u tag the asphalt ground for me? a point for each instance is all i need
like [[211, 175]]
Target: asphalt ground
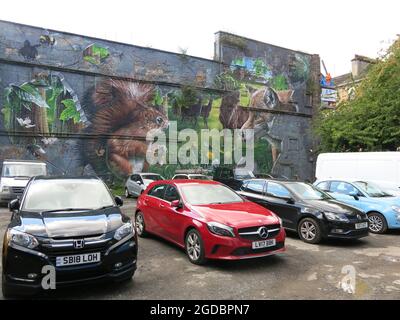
[[304, 272]]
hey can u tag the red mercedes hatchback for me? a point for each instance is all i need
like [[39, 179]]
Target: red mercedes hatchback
[[208, 220]]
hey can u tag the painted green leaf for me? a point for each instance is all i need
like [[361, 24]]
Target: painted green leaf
[[279, 83], [70, 111], [26, 94], [158, 99]]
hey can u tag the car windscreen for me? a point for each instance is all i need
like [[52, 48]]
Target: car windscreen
[[307, 192], [243, 174], [58, 194], [205, 194], [153, 177], [372, 189], [23, 170]]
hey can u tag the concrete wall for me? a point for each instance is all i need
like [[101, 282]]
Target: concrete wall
[[85, 104]]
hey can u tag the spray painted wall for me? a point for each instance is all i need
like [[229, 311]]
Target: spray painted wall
[[284, 83], [85, 104]]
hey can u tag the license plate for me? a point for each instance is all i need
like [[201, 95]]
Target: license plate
[[78, 259], [362, 225], [264, 244]]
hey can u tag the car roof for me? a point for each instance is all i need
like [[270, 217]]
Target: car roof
[[274, 180], [66, 178], [187, 181], [147, 173]]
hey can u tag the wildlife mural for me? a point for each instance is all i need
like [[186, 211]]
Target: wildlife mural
[[86, 105]]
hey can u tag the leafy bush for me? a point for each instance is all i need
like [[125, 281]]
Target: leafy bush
[[370, 121]]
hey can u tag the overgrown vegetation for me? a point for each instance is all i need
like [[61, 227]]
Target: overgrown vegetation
[[371, 120]]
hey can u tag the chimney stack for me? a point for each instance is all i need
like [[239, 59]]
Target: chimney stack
[[359, 64]]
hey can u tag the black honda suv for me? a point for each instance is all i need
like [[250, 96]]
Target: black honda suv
[[303, 208], [70, 226]]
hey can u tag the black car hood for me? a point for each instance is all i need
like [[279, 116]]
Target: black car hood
[[70, 224], [331, 205]]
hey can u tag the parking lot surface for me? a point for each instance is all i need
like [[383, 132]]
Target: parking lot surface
[[303, 272]]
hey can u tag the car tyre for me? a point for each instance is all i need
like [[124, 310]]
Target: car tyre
[[377, 223], [127, 195], [309, 231], [195, 247], [140, 225]]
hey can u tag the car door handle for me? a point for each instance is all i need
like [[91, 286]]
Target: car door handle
[[162, 206]]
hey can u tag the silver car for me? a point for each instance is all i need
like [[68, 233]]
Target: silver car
[[190, 176], [138, 182]]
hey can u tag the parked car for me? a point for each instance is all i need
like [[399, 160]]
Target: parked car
[[233, 178], [269, 176], [15, 174], [382, 168], [71, 224], [312, 213], [209, 220], [137, 183], [382, 208], [190, 176]]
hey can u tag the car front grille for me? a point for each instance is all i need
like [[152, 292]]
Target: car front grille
[[65, 247], [17, 190], [248, 250], [251, 233]]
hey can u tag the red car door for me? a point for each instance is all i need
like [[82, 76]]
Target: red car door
[[173, 220], [152, 209]]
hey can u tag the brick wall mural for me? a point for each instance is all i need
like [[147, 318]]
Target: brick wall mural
[[85, 105]]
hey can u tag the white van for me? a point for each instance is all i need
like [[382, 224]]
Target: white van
[[383, 168], [15, 175]]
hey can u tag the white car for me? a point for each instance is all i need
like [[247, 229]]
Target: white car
[[138, 182], [15, 175], [190, 176]]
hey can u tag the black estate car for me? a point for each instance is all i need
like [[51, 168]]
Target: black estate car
[[303, 208], [232, 178], [72, 226]]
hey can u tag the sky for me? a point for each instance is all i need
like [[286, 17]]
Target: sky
[[335, 30]]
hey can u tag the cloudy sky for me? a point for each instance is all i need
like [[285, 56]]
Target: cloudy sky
[[336, 30]]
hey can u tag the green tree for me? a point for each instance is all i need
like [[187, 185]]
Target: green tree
[[371, 120]]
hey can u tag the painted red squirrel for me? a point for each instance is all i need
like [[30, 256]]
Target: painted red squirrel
[[124, 111]]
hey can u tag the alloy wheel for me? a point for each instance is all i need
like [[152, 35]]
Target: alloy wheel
[[308, 230], [193, 246], [139, 224], [375, 223]]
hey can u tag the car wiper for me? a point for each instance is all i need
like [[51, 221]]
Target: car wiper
[[67, 209]]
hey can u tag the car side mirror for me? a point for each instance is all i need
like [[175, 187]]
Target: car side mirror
[[176, 204], [119, 201], [14, 205], [354, 195], [290, 201]]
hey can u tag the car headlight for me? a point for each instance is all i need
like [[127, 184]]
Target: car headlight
[[22, 239], [308, 210], [336, 217], [279, 218], [5, 189], [396, 209], [124, 231], [220, 229]]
